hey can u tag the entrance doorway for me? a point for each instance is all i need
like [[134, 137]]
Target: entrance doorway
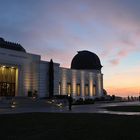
[[7, 81]]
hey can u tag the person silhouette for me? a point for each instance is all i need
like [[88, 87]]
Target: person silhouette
[[70, 100]]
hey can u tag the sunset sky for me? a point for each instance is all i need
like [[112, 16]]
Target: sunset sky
[[57, 29]]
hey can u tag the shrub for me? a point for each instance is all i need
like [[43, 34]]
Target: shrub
[[35, 94], [61, 96], [113, 97], [30, 93], [89, 101], [82, 102]]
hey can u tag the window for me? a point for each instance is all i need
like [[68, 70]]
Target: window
[[59, 88], [94, 90], [87, 90], [78, 89], [68, 88]]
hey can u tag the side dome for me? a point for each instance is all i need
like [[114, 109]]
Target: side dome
[[86, 60]]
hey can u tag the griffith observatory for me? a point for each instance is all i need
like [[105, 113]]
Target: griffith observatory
[[22, 72]]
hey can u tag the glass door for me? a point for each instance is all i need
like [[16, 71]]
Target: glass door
[[7, 81]]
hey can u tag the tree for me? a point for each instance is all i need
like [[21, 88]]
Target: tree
[[51, 78], [113, 97], [104, 92]]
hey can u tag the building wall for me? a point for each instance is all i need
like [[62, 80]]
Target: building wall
[[44, 79], [56, 78], [28, 69], [82, 77], [33, 74]]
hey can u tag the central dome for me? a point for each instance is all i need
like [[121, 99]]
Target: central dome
[[86, 60]]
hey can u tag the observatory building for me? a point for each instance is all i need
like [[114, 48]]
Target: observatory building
[[22, 72]]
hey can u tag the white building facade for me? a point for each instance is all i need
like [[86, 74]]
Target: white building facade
[[80, 83], [22, 72]]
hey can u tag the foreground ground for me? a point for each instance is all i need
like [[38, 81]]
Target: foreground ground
[[68, 126]]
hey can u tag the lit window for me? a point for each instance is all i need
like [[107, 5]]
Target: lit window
[[68, 88], [7, 81], [78, 90], [86, 90]]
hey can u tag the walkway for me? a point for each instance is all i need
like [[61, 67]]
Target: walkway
[[25, 106]]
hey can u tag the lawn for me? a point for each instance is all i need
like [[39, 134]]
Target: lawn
[[124, 108], [35, 126]]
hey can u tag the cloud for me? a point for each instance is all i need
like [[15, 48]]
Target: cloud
[[114, 62], [109, 28]]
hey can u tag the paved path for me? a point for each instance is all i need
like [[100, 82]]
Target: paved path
[[45, 106]]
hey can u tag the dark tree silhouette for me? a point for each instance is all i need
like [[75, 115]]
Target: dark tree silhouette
[[104, 92], [113, 97], [51, 78]]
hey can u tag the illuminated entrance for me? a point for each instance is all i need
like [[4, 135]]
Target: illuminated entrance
[[7, 81]]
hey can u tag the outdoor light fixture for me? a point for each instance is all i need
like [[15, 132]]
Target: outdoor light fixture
[[49, 102], [13, 102], [53, 101], [13, 106], [59, 104]]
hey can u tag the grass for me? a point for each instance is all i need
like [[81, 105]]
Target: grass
[[124, 108], [34, 126]]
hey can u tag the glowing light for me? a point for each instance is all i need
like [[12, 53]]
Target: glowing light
[[64, 81], [91, 84], [87, 90], [34, 97], [82, 83], [78, 89], [13, 102], [68, 88], [60, 105], [53, 101], [49, 102], [74, 82], [13, 106]]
